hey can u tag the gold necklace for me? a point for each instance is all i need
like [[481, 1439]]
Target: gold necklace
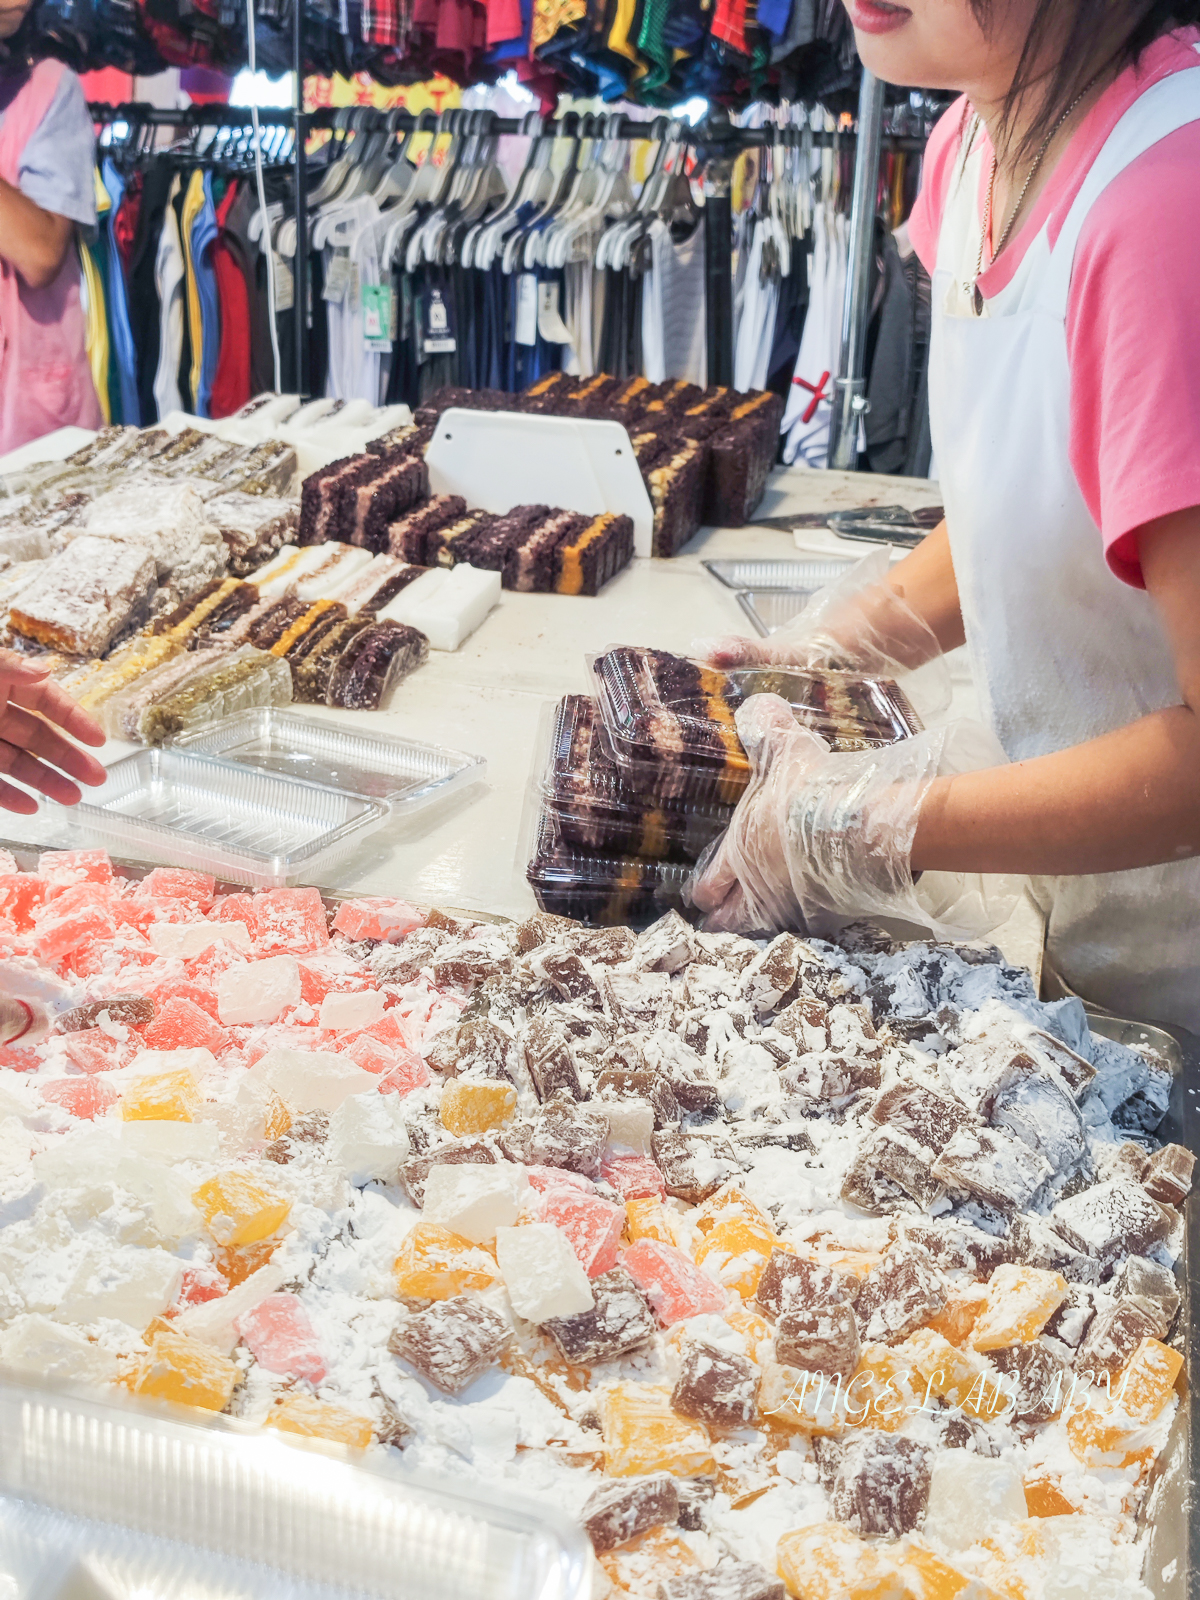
[[972, 287]]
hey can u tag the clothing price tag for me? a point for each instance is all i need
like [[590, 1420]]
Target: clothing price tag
[[377, 316], [285, 284], [525, 331], [337, 277], [438, 334], [550, 325]]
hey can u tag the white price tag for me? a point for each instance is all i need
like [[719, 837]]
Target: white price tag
[[525, 331], [285, 284], [337, 277], [550, 325]]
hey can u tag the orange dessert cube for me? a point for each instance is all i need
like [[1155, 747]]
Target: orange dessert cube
[[957, 1318], [469, 1106], [237, 1209], [317, 1419], [637, 1568], [1045, 1498], [278, 1119], [184, 1370], [929, 1577], [755, 1330], [435, 1264], [826, 1561], [883, 1391], [1020, 1302], [642, 1434], [802, 1402], [162, 1097], [960, 1376], [737, 1247], [647, 1219]]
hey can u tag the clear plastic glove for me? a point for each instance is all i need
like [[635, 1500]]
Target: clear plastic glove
[[23, 1021], [857, 624], [819, 837], [33, 708]]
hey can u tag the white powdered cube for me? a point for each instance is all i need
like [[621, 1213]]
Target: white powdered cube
[[18, 1101], [630, 1123], [127, 1284], [78, 1160], [187, 939], [475, 1201], [239, 1117], [149, 1063], [969, 1493], [541, 1272], [163, 1193], [35, 1344], [169, 1142], [213, 1321], [312, 1080], [367, 1137], [259, 991], [343, 1013]]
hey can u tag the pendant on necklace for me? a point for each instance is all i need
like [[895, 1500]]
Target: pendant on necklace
[[977, 300]]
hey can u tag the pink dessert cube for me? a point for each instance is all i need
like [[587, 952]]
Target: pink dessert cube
[[94, 1051], [19, 1060], [370, 1055], [75, 866], [20, 895], [672, 1282], [281, 1338], [86, 1098], [290, 922], [592, 1225], [408, 1073], [200, 1284], [322, 975], [390, 1030], [633, 1177], [180, 1024], [234, 908], [59, 936], [199, 994], [176, 883], [543, 1178], [377, 919]]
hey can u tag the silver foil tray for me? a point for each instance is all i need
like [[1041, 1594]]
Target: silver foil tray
[[809, 573]]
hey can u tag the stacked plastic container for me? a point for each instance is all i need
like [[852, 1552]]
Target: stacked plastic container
[[635, 781]]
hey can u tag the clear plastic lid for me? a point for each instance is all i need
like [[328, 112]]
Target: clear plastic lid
[[600, 889], [133, 1500], [253, 827], [597, 810], [403, 773], [668, 721]]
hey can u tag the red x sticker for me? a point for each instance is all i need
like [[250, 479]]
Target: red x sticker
[[817, 390]]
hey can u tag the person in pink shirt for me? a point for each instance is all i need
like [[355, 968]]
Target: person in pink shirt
[[1059, 217]]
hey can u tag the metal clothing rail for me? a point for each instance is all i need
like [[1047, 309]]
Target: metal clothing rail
[[716, 143]]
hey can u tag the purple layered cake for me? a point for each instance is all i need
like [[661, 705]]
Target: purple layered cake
[[410, 538], [586, 560], [488, 545], [373, 662], [740, 457], [529, 567], [381, 499]]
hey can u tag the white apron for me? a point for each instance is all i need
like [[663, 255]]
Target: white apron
[[1062, 650]]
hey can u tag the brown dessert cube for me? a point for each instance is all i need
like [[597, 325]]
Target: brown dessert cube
[[819, 1339], [452, 1342], [1116, 1333], [905, 1290], [620, 1321], [1036, 1381], [550, 1062], [1169, 1175], [715, 1387], [882, 1484], [693, 1165], [623, 1508]]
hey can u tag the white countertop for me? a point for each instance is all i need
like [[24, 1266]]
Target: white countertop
[[490, 696]]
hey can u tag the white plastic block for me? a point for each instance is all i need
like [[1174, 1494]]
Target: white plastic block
[[260, 991], [169, 1142], [475, 1200], [367, 1137], [129, 1285], [447, 606], [345, 1013], [34, 1344], [213, 1321], [312, 1080], [541, 1271], [187, 939], [969, 1493], [630, 1124]]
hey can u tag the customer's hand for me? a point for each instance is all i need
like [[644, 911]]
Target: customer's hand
[[33, 750], [819, 836], [23, 1021], [857, 623]]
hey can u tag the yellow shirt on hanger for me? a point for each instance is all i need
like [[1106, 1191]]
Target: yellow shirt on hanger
[[193, 204], [96, 334]]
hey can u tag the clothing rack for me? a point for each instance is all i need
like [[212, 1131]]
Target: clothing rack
[[716, 143]]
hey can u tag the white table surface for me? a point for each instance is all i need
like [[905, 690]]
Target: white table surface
[[490, 698]]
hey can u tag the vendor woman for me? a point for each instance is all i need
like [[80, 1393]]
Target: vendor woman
[[1059, 216], [47, 189]]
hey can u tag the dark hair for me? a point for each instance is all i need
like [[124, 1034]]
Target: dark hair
[[1101, 35]]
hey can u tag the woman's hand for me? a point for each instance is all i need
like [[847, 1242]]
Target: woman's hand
[[819, 836], [23, 1021], [33, 708]]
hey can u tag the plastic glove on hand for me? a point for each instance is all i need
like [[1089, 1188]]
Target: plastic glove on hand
[[819, 837]]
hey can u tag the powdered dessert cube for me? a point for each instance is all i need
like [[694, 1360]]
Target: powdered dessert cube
[[569, 1136], [127, 1285], [239, 1210], [634, 1177], [903, 1291], [541, 1272], [318, 1419], [1020, 1301], [715, 1387], [592, 1225], [550, 1062], [672, 1282], [642, 1434], [618, 1082], [1110, 1220], [823, 1339], [619, 1321], [736, 1249], [162, 1096], [827, 1561], [890, 1171], [367, 1137], [281, 1338], [259, 991], [435, 1264], [1036, 1382], [475, 1201], [1168, 1176], [1148, 1280], [620, 1511], [470, 1106], [1115, 1334], [182, 1025], [789, 1279], [84, 596], [290, 922], [968, 1495], [732, 1580], [693, 1165], [451, 1343], [186, 1371], [882, 1484], [311, 1080]]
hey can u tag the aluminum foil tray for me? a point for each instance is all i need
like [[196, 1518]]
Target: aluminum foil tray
[[803, 574], [189, 810], [404, 774]]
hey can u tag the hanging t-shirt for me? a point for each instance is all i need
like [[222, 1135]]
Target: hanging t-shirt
[[57, 163], [756, 323], [231, 382], [169, 276], [674, 341], [204, 235], [122, 350]]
